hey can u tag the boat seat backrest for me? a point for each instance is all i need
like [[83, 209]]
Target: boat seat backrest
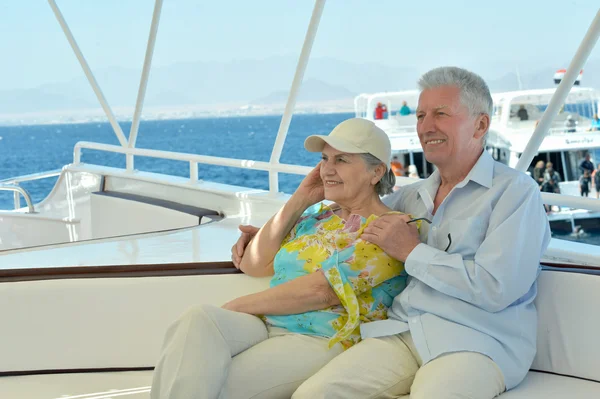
[[121, 322], [568, 324]]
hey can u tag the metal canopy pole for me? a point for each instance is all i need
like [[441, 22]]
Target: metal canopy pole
[[296, 83], [559, 97], [89, 74], [135, 124]]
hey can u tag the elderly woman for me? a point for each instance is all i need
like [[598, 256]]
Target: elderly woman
[[266, 344]]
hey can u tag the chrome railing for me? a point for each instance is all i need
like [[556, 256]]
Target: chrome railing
[[193, 160], [33, 176], [18, 190], [13, 183]]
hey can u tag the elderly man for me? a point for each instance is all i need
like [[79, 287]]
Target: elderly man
[[465, 326]]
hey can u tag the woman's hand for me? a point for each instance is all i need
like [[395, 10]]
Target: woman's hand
[[311, 190], [232, 305]]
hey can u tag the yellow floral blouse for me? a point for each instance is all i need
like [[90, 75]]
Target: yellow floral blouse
[[365, 278]]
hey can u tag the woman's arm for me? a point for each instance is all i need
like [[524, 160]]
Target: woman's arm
[[260, 252], [302, 294], [257, 260]]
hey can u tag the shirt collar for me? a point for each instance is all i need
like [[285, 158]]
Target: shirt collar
[[482, 173]]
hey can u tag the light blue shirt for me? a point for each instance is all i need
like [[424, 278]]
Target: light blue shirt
[[478, 295]]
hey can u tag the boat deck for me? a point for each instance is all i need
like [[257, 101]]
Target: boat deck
[[136, 385]]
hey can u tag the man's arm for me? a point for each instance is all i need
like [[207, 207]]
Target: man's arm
[[505, 265]]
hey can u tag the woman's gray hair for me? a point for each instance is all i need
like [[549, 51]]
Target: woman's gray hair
[[474, 92], [387, 182]]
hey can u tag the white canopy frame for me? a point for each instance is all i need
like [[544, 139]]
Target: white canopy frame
[[135, 123], [133, 133], [286, 119], [274, 166], [88, 74]]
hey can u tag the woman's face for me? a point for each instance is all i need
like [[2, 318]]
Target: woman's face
[[346, 177]]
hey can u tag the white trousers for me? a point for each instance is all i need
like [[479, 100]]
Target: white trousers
[[390, 367], [211, 352]]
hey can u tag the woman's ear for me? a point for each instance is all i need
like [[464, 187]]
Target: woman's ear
[[378, 173]]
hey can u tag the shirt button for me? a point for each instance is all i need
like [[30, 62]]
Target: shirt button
[[434, 228], [414, 321]]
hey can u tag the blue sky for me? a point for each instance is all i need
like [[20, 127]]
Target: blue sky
[[482, 35]]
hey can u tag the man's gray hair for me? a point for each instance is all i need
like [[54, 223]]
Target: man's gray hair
[[387, 182], [474, 92]]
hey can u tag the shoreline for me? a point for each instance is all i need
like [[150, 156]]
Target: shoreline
[[84, 116]]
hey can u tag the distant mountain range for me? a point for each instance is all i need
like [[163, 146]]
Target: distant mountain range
[[250, 82]]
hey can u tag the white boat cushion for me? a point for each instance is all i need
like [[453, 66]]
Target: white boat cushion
[[136, 385], [549, 386], [569, 324], [102, 322], [110, 322]]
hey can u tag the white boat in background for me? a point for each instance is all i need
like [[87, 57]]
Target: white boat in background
[[563, 146], [507, 139], [92, 276], [401, 129], [569, 138]]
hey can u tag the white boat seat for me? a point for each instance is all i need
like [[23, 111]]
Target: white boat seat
[[120, 323], [551, 386], [136, 385]]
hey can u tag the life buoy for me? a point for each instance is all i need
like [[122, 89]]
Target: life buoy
[[558, 76]]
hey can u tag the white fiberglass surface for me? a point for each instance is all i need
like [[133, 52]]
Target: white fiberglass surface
[[125, 385], [204, 243], [199, 244]]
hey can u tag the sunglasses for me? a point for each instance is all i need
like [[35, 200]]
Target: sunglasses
[[429, 221]]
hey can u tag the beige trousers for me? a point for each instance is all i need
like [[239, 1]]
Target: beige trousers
[[216, 353], [390, 367]]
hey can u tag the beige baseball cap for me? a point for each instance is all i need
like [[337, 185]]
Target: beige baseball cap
[[354, 136]]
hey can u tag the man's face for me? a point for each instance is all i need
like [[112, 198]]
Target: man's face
[[447, 131]]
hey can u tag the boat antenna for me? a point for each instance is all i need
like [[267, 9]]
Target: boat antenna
[[519, 82]]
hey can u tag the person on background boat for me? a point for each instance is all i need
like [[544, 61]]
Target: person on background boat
[[585, 182], [380, 110], [404, 110], [595, 127], [551, 179], [551, 182], [413, 172], [325, 281], [397, 167], [466, 324], [522, 113], [570, 124], [596, 180], [586, 164], [538, 173]]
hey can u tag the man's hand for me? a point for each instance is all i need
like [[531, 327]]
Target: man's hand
[[237, 251], [394, 235]]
